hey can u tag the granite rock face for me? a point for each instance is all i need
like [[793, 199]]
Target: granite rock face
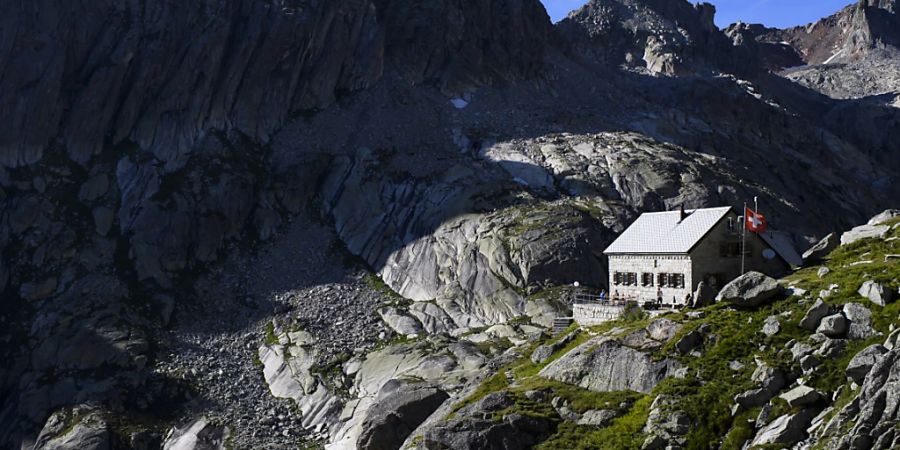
[[473, 429], [197, 435], [862, 362], [74, 429], [669, 38], [786, 430], [249, 66], [602, 364], [400, 408], [870, 415], [442, 41]]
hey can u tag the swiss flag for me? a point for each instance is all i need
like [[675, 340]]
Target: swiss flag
[[754, 221]]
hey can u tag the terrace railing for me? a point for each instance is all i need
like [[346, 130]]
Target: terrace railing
[[589, 298]]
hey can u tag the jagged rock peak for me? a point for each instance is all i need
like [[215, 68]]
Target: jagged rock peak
[[889, 5], [848, 35], [666, 37], [650, 16]]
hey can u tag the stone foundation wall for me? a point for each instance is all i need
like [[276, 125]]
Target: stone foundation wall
[[588, 314]]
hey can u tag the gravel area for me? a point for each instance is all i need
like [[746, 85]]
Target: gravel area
[[303, 276]]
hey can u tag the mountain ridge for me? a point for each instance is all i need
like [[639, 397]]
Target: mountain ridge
[[340, 194]]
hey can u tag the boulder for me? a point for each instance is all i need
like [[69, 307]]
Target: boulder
[[831, 348], [704, 295], [603, 364], [801, 396], [769, 380], [794, 291], [75, 429], [542, 311], [799, 350], [199, 434], [749, 290], [822, 272], [432, 317], [544, 352], [892, 340], [876, 293], [400, 322], [663, 329], [883, 217], [93, 188], [564, 410], [598, 417], [809, 363], [822, 248], [784, 431], [771, 326], [501, 331], [862, 363], [833, 326], [689, 342], [814, 315], [865, 232], [860, 319], [640, 339], [467, 355], [474, 427], [666, 425], [870, 419], [401, 406]]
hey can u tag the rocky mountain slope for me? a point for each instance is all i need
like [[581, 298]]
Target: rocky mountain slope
[[813, 368], [253, 223], [851, 54]]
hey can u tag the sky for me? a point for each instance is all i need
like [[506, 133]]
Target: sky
[[773, 13]]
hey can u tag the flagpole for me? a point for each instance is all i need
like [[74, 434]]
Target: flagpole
[[743, 234]]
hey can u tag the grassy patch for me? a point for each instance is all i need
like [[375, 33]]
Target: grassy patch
[[527, 368], [270, 339], [495, 383], [378, 285], [741, 431], [333, 368], [625, 433], [850, 276]]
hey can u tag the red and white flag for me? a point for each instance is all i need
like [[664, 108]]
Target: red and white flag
[[754, 221]]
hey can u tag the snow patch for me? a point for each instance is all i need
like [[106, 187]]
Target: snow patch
[[828, 61], [459, 103]]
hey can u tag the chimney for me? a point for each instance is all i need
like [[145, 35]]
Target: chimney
[[682, 214]]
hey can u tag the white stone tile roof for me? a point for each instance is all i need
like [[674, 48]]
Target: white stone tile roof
[[664, 232]]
